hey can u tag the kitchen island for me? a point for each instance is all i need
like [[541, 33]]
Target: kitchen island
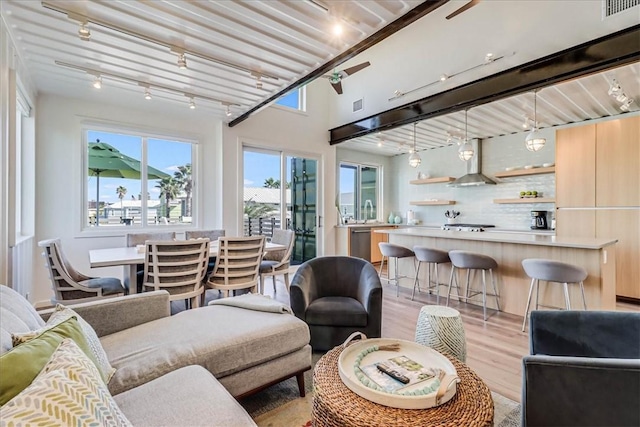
[[596, 255]]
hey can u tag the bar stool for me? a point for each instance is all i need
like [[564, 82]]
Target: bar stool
[[473, 261], [552, 271], [389, 250], [431, 257]]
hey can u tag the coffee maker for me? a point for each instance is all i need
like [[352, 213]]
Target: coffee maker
[[539, 220]]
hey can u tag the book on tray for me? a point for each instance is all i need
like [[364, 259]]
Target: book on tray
[[398, 372]]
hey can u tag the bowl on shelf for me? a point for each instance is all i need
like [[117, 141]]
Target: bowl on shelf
[[529, 166], [548, 165], [510, 168]]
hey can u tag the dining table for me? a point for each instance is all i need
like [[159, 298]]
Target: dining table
[[130, 257]]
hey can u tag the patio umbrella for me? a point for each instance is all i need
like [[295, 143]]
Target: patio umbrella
[[107, 161]]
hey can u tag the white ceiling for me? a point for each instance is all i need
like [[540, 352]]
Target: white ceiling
[[282, 40], [288, 39]]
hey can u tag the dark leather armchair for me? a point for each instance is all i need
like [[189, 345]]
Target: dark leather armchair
[[584, 369], [337, 296]]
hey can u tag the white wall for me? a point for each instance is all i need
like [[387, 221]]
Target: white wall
[[475, 203]]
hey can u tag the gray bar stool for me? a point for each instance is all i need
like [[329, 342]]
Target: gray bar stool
[[552, 271], [473, 261], [431, 257], [389, 250]]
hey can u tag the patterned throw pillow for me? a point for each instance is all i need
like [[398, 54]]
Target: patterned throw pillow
[[68, 391], [22, 364], [61, 314]]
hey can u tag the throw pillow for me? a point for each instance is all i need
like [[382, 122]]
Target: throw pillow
[[20, 365], [61, 314], [68, 391]]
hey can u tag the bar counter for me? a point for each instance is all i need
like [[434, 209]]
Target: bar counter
[[596, 255]]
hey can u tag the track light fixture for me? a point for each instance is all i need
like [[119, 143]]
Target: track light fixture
[[414, 158], [466, 151], [82, 18], [97, 82], [192, 103], [99, 75], [617, 93], [258, 80], [534, 141], [182, 61], [83, 32], [227, 110]]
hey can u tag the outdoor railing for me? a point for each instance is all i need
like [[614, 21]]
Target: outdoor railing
[[263, 226]]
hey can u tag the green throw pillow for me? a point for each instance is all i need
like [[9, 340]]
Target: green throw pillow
[[20, 365], [61, 314]]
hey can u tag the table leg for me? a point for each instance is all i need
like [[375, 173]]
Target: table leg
[[133, 278]]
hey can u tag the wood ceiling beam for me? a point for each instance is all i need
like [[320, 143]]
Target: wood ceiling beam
[[413, 15], [613, 50]]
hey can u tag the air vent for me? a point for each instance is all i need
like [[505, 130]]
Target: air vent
[[358, 105], [611, 7]]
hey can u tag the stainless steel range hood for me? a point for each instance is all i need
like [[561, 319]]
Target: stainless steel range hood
[[474, 177]]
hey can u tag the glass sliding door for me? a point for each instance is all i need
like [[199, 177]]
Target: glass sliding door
[[281, 191]]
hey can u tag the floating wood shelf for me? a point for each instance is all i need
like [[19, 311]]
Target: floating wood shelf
[[520, 172], [432, 180], [525, 200], [433, 202]]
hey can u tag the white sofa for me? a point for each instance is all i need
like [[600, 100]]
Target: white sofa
[[184, 369]]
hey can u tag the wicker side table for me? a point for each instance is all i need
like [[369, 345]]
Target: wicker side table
[[334, 405], [441, 329]]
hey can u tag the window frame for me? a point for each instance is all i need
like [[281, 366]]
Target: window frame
[[358, 196], [302, 101], [144, 134]]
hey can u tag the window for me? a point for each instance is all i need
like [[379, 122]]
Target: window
[[359, 191], [294, 99], [138, 180]]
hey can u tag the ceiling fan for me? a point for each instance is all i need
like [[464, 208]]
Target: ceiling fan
[[336, 77], [462, 9]]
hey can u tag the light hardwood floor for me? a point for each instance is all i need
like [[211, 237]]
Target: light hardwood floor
[[494, 348]]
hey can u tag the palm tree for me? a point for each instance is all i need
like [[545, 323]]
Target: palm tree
[[271, 183], [121, 191], [169, 189], [185, 181], [256, 210]]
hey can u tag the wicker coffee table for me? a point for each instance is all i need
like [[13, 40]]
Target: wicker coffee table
[[334, 405]]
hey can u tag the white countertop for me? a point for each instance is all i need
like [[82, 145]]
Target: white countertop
[[504, 237]]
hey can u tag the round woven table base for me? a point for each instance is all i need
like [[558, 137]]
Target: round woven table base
[[334, 405]]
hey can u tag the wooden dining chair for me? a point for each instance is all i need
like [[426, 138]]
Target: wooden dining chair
[[212, 235], [178, 267], [237, 265], [277, 263], [71, 286], [135, 239]]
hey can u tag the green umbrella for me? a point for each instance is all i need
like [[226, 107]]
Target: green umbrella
[[107, 161]]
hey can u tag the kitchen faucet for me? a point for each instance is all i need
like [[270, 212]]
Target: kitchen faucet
[[370, 205]]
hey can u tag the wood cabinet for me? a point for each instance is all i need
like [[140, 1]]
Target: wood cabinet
[[598, 179], [376, 238], [575, 166], [618, 162], [624, 225]]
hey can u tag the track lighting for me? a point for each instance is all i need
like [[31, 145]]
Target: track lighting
[[147, 94], [258, 81], [84, 33], [626, 105], [525, 124], [228, 111], [192, 103], [466, 151], [534, 141], [617, 93], [182, 61], [414, 158], [97, 82], [443, 77], [489, 58], [614, 88]]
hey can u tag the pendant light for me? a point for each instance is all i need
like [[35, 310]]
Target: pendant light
[[414, 158], [465, 152], [534, 141]]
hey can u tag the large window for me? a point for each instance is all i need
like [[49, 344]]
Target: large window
[[136, 180], [294, 99], [359, 191]]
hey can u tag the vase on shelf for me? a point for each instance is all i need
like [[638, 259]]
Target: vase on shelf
[[397, 219], [391, 218]]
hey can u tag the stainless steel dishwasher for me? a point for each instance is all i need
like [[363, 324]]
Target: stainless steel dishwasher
[[360, 242]]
